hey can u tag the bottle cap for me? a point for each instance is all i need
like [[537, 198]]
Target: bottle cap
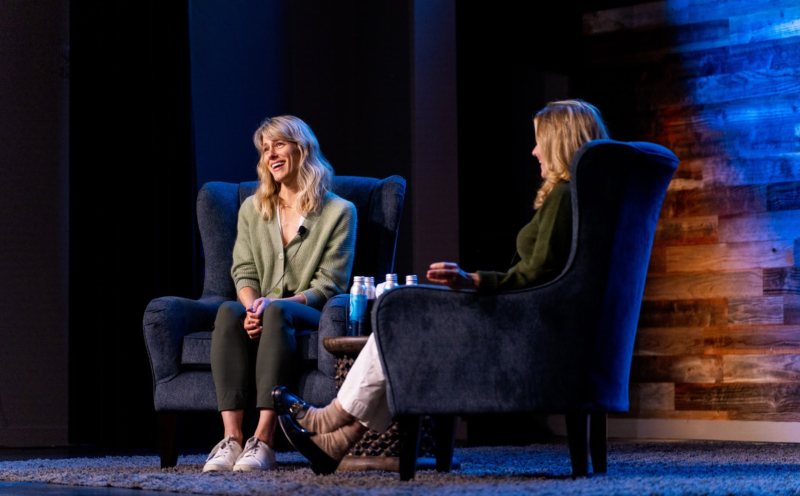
[[411, 280]]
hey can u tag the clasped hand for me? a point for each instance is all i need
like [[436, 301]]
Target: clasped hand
[[252, 320]]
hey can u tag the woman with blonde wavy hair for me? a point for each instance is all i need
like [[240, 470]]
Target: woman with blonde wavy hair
[[543, 245], [325, 435], [294, 250]]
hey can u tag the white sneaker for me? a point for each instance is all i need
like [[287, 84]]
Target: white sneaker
[[224, 455], [256, 456]]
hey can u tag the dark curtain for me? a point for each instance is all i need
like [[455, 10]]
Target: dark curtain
[[132, 189]]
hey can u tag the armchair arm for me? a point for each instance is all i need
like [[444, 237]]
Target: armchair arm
[[453, 352], [166, 321], [332, 324]]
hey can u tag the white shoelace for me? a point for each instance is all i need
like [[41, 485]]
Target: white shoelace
[[251, 448], [222, 448]]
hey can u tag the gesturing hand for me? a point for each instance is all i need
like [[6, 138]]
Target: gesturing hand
[[451, 275], [252, 321]]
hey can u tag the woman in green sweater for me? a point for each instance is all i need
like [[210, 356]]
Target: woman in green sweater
[[543, 245], [325, 435], [294, 250]]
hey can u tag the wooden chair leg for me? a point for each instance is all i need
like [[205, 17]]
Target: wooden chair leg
[[168, 434], [444, 437], [598, 441], [410, 428], [578, 438]]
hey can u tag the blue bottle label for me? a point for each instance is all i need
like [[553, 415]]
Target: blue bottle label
[[358, 307]]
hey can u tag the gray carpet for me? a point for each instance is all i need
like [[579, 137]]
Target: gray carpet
[[635, 468]]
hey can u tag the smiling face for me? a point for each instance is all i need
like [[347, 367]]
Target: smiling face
[[537, 152], [282, 158]]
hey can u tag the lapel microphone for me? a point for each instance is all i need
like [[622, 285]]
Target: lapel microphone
[[301, 231]]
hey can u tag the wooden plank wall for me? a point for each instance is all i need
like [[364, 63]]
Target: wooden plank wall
[[718, 83]]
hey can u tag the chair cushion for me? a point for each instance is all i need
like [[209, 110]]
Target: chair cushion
[[197, 348]]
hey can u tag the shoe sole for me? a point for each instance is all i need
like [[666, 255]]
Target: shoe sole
[[246, 468], [300, 439], [216, 468]]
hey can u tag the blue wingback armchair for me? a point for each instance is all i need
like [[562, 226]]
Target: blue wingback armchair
[[564, 347], [178, 331]]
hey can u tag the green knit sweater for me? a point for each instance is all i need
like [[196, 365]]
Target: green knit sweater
[[319, 268], [543, 246]]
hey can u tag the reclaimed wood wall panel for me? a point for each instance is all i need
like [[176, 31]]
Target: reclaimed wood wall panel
[[731, 200], [718, 83], [730, 256], [753, 170], [669, 341], [652, 395], [687, 231], [682, 286], [684, 313], [759, 227], [751, 398], [757, 310], [791, 309], [752, 339], [677, 369], [761, 368], [652, 15]]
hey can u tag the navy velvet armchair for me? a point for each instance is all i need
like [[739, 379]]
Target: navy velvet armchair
[[178, 331], [564, 347]]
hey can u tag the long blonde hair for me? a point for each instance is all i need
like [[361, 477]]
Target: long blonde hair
[[314, 173], [561, 128]]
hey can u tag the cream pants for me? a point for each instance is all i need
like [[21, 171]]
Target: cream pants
[[363, 393]]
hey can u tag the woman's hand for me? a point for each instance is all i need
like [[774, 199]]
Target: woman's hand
[[451, 275], [252, 321]]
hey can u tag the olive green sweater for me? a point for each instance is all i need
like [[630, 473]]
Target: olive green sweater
[[543, 246], [319, 267]]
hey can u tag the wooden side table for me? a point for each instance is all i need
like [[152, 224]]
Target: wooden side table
[[376, 450]]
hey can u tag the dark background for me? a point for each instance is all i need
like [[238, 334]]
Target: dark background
[[165, 95]]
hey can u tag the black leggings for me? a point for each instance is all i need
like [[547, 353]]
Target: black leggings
[[238, 361]]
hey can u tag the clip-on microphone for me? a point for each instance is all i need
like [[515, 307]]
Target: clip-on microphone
[[301, 231]]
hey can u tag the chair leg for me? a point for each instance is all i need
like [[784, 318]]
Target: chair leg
[[578, 438], [168, 433], [410, 427], [444, 437], [598, 441]]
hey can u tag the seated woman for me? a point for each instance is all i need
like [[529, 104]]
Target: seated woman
[[325, 435], [294, 250]]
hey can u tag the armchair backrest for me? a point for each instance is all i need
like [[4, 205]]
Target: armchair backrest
[[618, 191], [379, 203]]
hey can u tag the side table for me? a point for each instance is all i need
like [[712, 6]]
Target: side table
[[377, 450]]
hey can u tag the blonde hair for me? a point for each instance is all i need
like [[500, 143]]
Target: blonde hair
[[314, 173], [561, 128]]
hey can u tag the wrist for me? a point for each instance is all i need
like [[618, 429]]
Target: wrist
[[476, 279]]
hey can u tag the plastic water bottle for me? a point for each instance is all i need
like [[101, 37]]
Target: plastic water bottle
[[358, 306], [369, 282], [411, 280]]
